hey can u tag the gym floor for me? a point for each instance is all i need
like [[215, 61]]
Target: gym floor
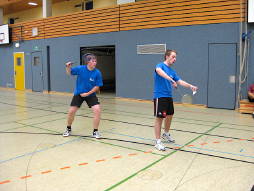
[[214, 148]]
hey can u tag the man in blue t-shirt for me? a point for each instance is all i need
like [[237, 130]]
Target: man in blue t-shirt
[[89, 80], [164, 78]]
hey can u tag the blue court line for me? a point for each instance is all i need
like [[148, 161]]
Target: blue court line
[[221, 152], [31, 153]]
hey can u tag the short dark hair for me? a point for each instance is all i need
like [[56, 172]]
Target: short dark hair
[[168, 53], [88, 57]]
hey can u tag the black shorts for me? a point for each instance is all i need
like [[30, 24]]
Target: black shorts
[[77, 100], [163, 106], [250, 99]]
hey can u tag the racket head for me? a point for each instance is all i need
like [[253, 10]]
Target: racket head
[[187, 99]]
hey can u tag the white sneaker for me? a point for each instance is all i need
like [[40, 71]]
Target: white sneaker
[[160, 146], [67, 133], [96, 135], [167, 138]]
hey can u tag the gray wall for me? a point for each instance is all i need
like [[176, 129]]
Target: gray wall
[[134, 73]]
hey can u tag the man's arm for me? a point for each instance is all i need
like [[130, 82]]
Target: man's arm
[[187, 85], [95, 89], [164, 75]]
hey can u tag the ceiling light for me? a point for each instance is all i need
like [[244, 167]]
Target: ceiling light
[[33, 4]]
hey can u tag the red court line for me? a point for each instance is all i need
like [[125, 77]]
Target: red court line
[[24, 177], [81, 164], [4, 182], [45, 172], [66, 167], [216, 142], [203, 143], [148, 152], [102, 160], [117, 157], [132, 154]]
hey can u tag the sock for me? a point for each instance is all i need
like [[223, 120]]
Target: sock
[[158, 141], [95, 130], [69, 128], [167, 133]]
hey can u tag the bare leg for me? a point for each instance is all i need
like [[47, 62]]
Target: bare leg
[[167, 123], [157, 127], [71, 114], [97, 116]]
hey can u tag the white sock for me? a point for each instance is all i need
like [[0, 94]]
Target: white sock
[[158, 141]]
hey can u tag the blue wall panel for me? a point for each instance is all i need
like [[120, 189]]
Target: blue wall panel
[[134, 73]]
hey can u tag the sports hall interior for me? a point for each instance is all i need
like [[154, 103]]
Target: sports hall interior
[[214, 135]]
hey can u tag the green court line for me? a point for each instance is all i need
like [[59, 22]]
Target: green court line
[[157, 161]]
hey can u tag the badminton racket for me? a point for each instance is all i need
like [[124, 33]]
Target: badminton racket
[[187, 98]]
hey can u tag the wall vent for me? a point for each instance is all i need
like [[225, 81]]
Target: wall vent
[[151, 49]]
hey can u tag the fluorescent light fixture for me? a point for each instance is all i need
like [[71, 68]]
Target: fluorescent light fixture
[[32, 3]]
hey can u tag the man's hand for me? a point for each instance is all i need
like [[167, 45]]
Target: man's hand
[[174, 84], [84, 94], [193, 88], [68, 64]]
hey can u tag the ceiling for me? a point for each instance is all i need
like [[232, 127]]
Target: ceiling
[[12, 6]]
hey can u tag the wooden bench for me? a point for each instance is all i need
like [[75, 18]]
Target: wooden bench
[[246, 106]]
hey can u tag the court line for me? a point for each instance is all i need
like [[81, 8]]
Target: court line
[[78, 139], [118, 145], [38, 151], [157, 161], [212, 150], [143, 124], [114, 113], [58, 169]]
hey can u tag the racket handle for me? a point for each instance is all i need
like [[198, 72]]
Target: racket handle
[[194, 92]]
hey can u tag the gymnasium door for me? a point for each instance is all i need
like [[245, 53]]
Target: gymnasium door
[[222, 75], [37, 78], [19, 70]]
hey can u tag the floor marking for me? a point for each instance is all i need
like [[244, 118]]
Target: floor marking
[[117, 157], [82, 164], [102, 160], [25, 177], [6, 181], [177, 146], [46, 172], [216, 142], [31, 153], [66, 167], [157, 161], [132, 154]]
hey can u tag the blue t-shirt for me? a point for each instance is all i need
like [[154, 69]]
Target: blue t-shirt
[[162, 86], [86, 79]]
